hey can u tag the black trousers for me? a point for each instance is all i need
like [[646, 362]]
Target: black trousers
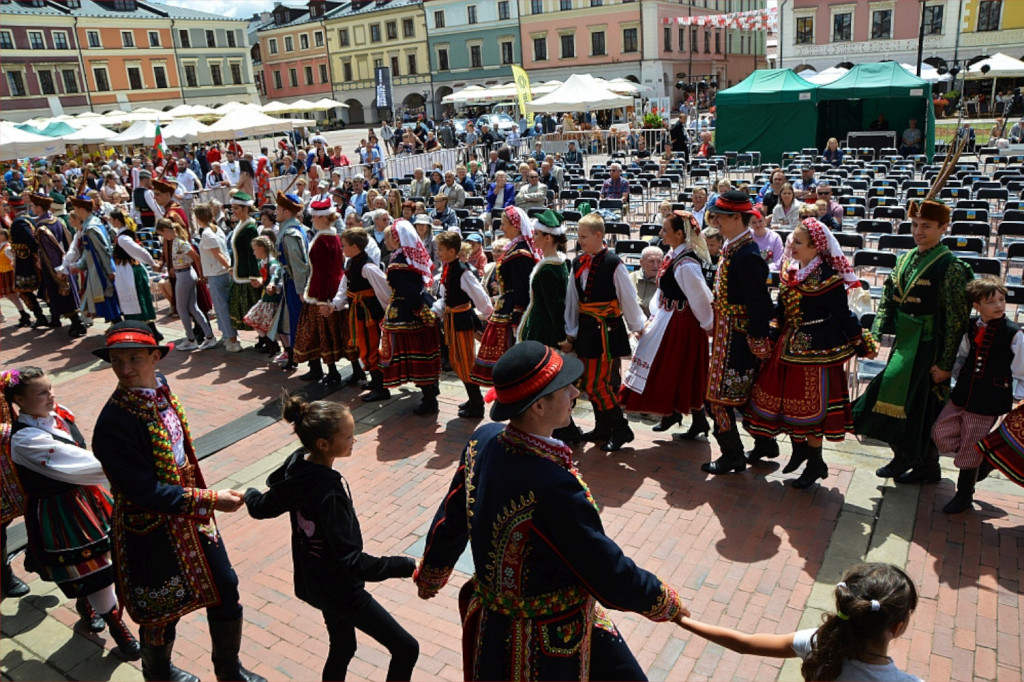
[[362, 612], [226, 580], [611, 659]]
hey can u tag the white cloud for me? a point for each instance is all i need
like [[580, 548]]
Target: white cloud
[[239, 9]]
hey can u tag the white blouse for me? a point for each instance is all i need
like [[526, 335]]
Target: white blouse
[[39, 449]]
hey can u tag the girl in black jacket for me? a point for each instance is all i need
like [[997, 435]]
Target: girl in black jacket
[[327, 547]]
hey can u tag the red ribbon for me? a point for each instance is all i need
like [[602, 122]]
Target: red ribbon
[[585, 260], [533, 382], [130, 336]]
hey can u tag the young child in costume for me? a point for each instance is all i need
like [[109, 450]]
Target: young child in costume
[[462, 300], [331, 568], [261, 316], [988, 362], [601, 309], [873, 607]]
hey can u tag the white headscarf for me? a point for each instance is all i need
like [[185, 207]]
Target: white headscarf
[[834, 254], [415, 253], [519, 218]]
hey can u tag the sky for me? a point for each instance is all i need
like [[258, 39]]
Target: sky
[[239, 9]]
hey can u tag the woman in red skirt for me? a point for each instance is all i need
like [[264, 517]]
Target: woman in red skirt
[[512, 273], [668, 375], [802, 389], [410, 343]]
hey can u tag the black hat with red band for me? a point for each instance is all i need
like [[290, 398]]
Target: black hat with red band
[[526, 373], [129, 334], [732, 202]]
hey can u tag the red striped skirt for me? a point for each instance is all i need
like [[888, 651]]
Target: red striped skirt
[[1004, 447], [801, 400], [498, 337], [410, 357], [319, 337], [678, 378]]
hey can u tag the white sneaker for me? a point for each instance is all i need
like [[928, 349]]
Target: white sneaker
[[208, 343], [233, 346], [186, 345]]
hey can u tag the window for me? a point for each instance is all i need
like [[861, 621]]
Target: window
[[842, 27], [318, 38], [718, 42], [475, 59], [442, 59], [378, 63], [5, 40], [630, 42], [540, 49], [273, 46], [160, 76], [881, 24], [411, 59], [682, 39], [293, 78], [439, 18], [46, 82], [408, 28], [135, 78], [728, 43], [565, 5], [124, 5], [211, 39], [154, 38], [346, 70], [805, 30], [596, 3], [988, 15], [277, 80], [536, 6], [99, 74], [74, 4], [127, 39], [391, 28], [597, 44], [289, 44], [507, 52], [94, 38], [503, 13], [35, 40], [668, 39], [343, 37], [471, 14], [15, 84], [190, 76], [707, 42], [70, 81], [184, 38], [694, 47], [304, 41], [60, 40], [231, 39], [933, 20], [394, 67], [323, 73], [374, 33], [218, 79], [309, 75], [568, 46]]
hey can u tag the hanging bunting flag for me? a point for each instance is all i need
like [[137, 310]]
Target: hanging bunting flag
[[754, 20]]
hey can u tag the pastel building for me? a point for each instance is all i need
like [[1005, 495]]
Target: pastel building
[[293, 52], [471, 42]]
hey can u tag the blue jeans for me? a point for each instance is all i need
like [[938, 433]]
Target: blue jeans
[[220, 290]]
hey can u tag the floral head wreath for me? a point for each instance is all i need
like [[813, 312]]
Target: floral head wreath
[[9, 378]]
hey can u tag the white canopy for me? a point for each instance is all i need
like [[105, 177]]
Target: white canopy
[[19, 144], [278, 108], [183, 130], [825, 77], [93, 133], [928, 72], [189, 110], [140, 132], [244, 123], [999, 66], [327, 103], [233, 106], [581, 92]]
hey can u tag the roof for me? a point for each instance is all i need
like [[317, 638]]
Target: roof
[[100, 9], [884, 79], [768, 86], [359, 7]]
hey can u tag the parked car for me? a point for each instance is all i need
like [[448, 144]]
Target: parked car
[[501, 124]]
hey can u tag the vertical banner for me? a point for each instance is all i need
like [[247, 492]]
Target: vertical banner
[[523, 92], [382, 75]]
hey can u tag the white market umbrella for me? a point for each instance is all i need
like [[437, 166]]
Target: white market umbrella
[[140, 132], [184, 130], [244, 123], [579, 93], [19, 144], [93, 133], [277, 108], [327, 103], [999, 66]]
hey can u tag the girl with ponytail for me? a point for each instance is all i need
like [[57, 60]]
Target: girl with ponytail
[[873, 606]]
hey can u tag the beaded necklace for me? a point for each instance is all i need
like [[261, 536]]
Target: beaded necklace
[[148, 411]]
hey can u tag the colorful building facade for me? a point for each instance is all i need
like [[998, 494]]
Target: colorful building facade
[[293, 53]]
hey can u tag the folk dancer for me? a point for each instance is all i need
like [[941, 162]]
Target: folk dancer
[[26, 263], [59, 290], [293, 254], [92, 254]]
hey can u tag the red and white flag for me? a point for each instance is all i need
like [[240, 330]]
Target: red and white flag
[[158, 143]]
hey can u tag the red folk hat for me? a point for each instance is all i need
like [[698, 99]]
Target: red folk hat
[[527, 372], [733, 201], [129, 334]]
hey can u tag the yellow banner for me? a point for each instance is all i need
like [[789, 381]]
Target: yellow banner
[[523, 92]]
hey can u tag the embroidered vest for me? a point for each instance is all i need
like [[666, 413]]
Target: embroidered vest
[[985, 383]]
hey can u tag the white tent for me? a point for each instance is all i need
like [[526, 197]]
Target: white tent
[[327, 103], [248, 124], [928, 72], [140, 132], [184, 130], [825, 77], [93, 133], [189, 110], [19, 144], [999, 66], [234, 106], [579, 93], [278, 108]]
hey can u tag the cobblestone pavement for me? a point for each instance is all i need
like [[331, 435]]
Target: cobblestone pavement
[[744, 550]]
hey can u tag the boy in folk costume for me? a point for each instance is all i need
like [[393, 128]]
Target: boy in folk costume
[[743, 312], [924, 303], [60, 290], [600, 306], [365, 292], [410, 343], [92, 253], [989, 374], [144, 206], [512, 275], [26, 250], [244, 264], [461, 292], [293, 254], [320, 335]]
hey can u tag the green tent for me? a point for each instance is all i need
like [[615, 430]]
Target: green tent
[[770, 111], [54, 129], [853, 102]]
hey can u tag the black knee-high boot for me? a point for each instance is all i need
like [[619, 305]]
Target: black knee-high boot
[[428, 404], [315, 373], [964, 498], [12, 586], [377, 391], [333, 377], [815, 469], [156, 333], [732, 458], [474, 407]]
